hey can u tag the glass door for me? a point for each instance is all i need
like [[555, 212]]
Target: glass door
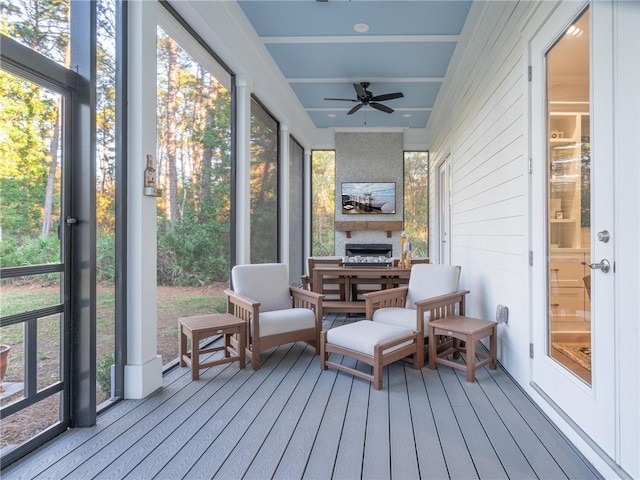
[[34, 329], [572, 218]]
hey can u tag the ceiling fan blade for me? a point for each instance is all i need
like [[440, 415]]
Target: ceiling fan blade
[[387, 96], [381, 107], [343, 99], [360, 90], [354, 109]]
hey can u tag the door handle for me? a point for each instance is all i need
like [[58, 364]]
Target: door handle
[[603, 266]]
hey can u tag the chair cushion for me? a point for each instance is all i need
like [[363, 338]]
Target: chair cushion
[[400, 317], [267, 283], [364, 335], [429, 280], [288, 320]]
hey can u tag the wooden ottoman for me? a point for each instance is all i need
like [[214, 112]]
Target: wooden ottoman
[[204, 326], [469, 330], [376, 344]]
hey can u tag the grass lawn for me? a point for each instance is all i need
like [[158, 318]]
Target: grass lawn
[[172, 302]]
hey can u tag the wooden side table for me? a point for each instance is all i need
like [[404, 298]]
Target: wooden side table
[[204, 326], [469, 330]]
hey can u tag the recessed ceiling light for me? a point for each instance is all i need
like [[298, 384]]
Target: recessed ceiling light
[[406, 115], [331, 115], [361, 27]]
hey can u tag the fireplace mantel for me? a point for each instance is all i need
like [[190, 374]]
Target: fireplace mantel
[[368, 225]]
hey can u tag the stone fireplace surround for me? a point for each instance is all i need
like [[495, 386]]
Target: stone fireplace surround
[[369, 157]]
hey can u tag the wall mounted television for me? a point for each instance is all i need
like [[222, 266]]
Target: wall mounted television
[[368, 197]]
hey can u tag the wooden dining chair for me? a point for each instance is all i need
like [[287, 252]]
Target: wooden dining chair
[[333, 288]]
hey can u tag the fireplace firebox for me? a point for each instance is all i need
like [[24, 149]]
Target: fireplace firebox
[[368, 250]]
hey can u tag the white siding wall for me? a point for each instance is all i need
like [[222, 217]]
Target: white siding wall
[[484, 126], [482, 119]]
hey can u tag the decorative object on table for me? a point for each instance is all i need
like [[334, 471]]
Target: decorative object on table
[[405, 251], [4, 363]]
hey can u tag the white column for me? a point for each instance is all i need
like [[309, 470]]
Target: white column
[[243, 171], [143, 372], [284, 194]]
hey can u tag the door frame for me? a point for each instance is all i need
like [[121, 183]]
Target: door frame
[[443, 202], [78, 371]]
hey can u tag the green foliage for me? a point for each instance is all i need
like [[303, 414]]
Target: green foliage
[[9, 254], [34, 251], [191, 253], [26, 119], [106, 259], [103, 372]]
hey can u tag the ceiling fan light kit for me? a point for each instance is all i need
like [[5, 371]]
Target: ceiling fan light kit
[[365, 97]]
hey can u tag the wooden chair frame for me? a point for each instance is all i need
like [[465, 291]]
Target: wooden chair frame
[[438, 307], [248, 310], [307, 280]]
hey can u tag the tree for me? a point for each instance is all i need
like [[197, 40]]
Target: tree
[[171, 146], [194, 131], [24, 116], [323, 179], [105, 120], [263, 184], [43, 25], [416, 201]]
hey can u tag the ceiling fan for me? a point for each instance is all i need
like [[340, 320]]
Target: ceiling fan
[[365, 97]]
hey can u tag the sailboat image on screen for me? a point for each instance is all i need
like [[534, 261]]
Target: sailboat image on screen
[[368, 197]]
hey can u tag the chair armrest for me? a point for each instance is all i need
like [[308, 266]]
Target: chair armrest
[[240, 300], [301, 296], [443, 305], [306, 282], [245, 309], [392, 297]]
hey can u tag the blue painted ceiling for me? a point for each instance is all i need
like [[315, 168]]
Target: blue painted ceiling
[[408, 49]]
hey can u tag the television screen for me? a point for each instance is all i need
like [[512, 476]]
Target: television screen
[[368, 197]]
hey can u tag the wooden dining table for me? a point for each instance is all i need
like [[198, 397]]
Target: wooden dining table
[[384, 275]]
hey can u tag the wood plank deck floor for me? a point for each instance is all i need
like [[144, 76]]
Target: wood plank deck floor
[[289, 420]]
